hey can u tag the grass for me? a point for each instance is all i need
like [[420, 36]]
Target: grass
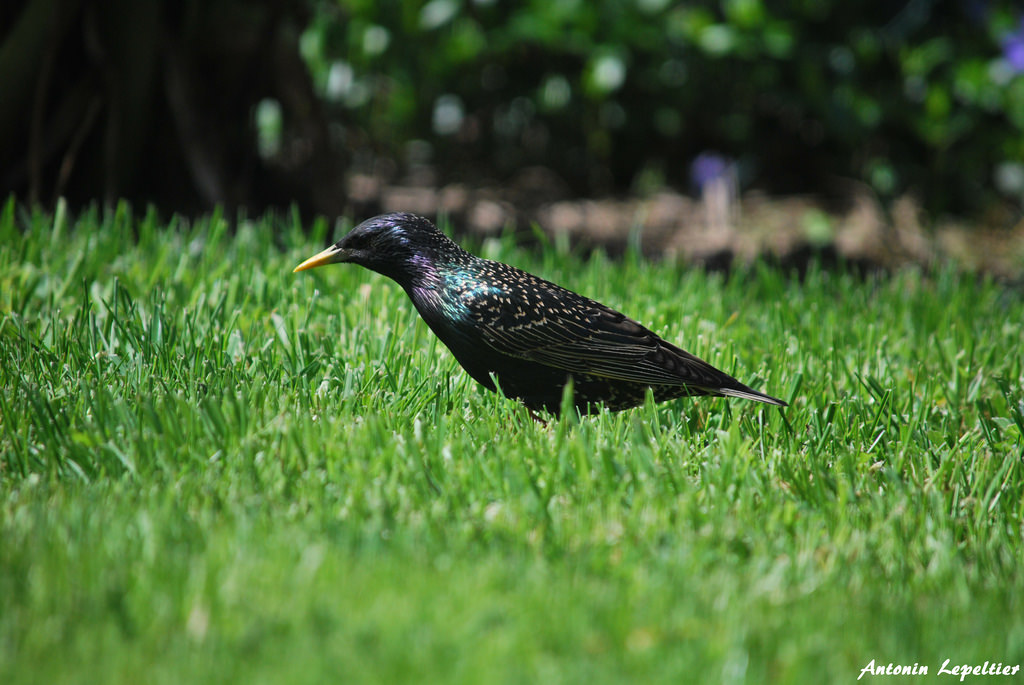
[[213, 470]]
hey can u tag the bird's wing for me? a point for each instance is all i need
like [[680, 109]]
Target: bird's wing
[[556, 327]]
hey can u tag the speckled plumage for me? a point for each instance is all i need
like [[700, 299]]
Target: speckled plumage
[[530, 334]]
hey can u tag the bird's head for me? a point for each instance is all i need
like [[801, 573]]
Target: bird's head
[[396, 245]]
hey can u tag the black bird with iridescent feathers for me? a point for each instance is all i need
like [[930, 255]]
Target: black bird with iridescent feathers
[[530, 334]]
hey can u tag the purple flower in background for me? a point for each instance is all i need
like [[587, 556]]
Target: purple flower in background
[[1013, 48], [708, 167], [714, 175]]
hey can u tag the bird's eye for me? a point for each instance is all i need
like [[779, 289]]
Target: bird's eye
[[358, 241]]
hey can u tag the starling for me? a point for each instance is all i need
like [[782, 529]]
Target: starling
[[530, 334]]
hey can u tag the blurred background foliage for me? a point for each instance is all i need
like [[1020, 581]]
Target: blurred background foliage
[[259, 103], [922, 96]]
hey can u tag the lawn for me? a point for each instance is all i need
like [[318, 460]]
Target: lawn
[[213, 470]]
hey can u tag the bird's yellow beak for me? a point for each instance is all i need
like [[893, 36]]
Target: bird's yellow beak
[[331, 255]]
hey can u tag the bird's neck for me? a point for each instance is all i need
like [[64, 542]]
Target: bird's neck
[[423, 274], [441, 287]]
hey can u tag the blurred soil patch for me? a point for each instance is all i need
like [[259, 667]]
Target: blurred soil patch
[[717, 229]]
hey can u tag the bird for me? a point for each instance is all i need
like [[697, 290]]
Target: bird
[[531, 337]]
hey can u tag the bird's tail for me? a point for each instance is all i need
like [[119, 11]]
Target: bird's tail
[[746, 393]]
